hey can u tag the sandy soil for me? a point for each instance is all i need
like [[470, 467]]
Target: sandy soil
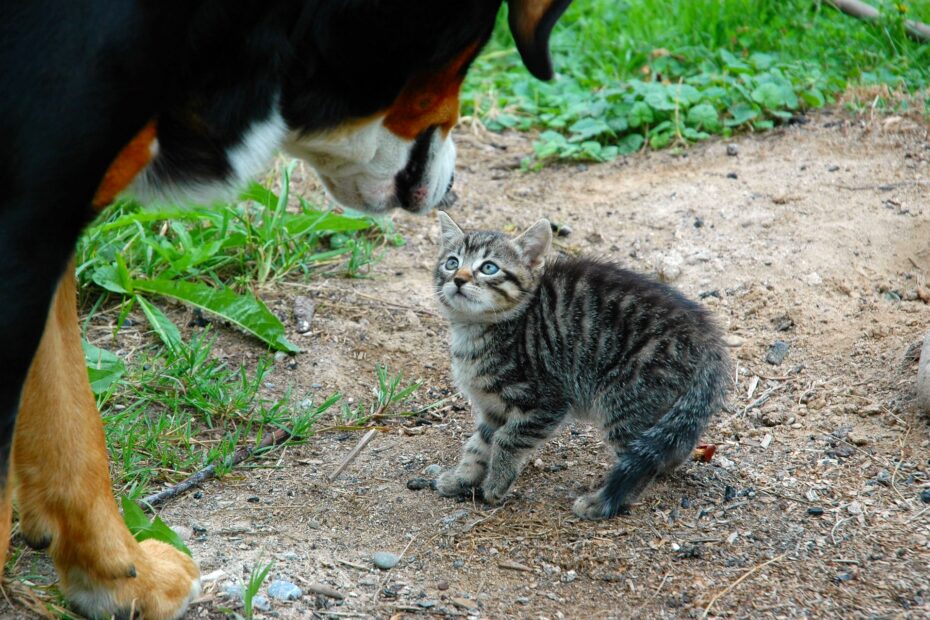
[[816, 234]]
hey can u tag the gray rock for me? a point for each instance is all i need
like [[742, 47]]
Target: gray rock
[[261, 603], [426, 604], [458, 563], [569, 576], [777, 352], [732, 150], [284, 590], [883, 478], [433, 470], [385, 560], [233, 591], [183, 531]]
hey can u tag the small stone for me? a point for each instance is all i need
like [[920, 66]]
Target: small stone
[[426, 604], [538, 463], [777, 352], [442, 586], [813, 279], [198, 528], [183, 531], [284, 590], [883, 478], [732, 175], [569, 576], [858, 439], [773, 418], [925, 496], [669, 267], [464, 603], [732, 340], [253, 499], [854, 508], [522, 600], [732, 150], [303, 313], [261, 603], [685, 502], [433, 470], [815, 511], [458, 563], [280, 356], [783, 323], [198, 494], [385, 560], [233, 591], [832, 168], [729, 493], [418, 484]]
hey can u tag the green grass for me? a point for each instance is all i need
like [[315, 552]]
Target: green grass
[[173, 407], [640, 72]]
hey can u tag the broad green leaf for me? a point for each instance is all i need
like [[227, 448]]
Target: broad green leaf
[[103, 368], [769, 95], [162, 325], [108, 277], [630, 143], [640, 114], [244, 310], [741, 113], [143, 529], [704, 116]]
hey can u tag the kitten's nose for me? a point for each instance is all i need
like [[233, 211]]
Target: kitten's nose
[[459, 281]]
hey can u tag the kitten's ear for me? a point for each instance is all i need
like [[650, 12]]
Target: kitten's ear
[[535, 242], [450, 233]]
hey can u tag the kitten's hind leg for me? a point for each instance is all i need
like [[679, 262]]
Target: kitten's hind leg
[[512, 445], [467, 476]]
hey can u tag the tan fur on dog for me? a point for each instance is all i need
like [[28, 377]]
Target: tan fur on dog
[[61, 475]]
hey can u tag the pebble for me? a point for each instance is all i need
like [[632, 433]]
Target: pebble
[[426, 604], [813, 278], [732, 150], [183, 531], [464, 603], [442, 586], [732, 175], [433, 470], [569, 576], [385, 560], [538, 463], [858, 439], [815, 511], [729, 493], [883, 478], [280, 356], [261, 603], [777, 352], [854, 508], [233, 591], [522, 600], [925, 496], [284, 590], [303, 313], [733, 341], [198, 528], [458, 563], [669, 267], [418, 484], [685, 502]]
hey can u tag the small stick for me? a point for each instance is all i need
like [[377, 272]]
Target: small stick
[[269, 440], [739, 581], [364, 441]]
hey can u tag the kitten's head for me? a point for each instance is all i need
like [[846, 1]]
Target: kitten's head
[[485, 277]]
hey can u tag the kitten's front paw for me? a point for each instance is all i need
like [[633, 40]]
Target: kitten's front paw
[[493, 491], [591, 506], [451, 484]]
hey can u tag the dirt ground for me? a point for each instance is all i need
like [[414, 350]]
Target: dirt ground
[[816, 234]]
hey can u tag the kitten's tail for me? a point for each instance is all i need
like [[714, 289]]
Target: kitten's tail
[[672, 439]]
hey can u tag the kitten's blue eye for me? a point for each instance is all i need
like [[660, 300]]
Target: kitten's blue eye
[[452, 263], [489, 268]]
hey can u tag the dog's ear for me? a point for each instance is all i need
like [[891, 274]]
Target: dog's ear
[[531, 22]]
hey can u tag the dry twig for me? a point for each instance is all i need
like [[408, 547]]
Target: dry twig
[[742, 578]]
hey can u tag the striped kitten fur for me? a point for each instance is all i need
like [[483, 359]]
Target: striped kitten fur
[[533, 342]]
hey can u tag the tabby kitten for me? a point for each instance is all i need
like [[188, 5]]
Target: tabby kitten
[[534, 342]]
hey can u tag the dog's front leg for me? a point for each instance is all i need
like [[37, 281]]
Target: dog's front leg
[[63, 489]]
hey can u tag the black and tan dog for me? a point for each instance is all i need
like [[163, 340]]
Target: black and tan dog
[[187, 97]]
